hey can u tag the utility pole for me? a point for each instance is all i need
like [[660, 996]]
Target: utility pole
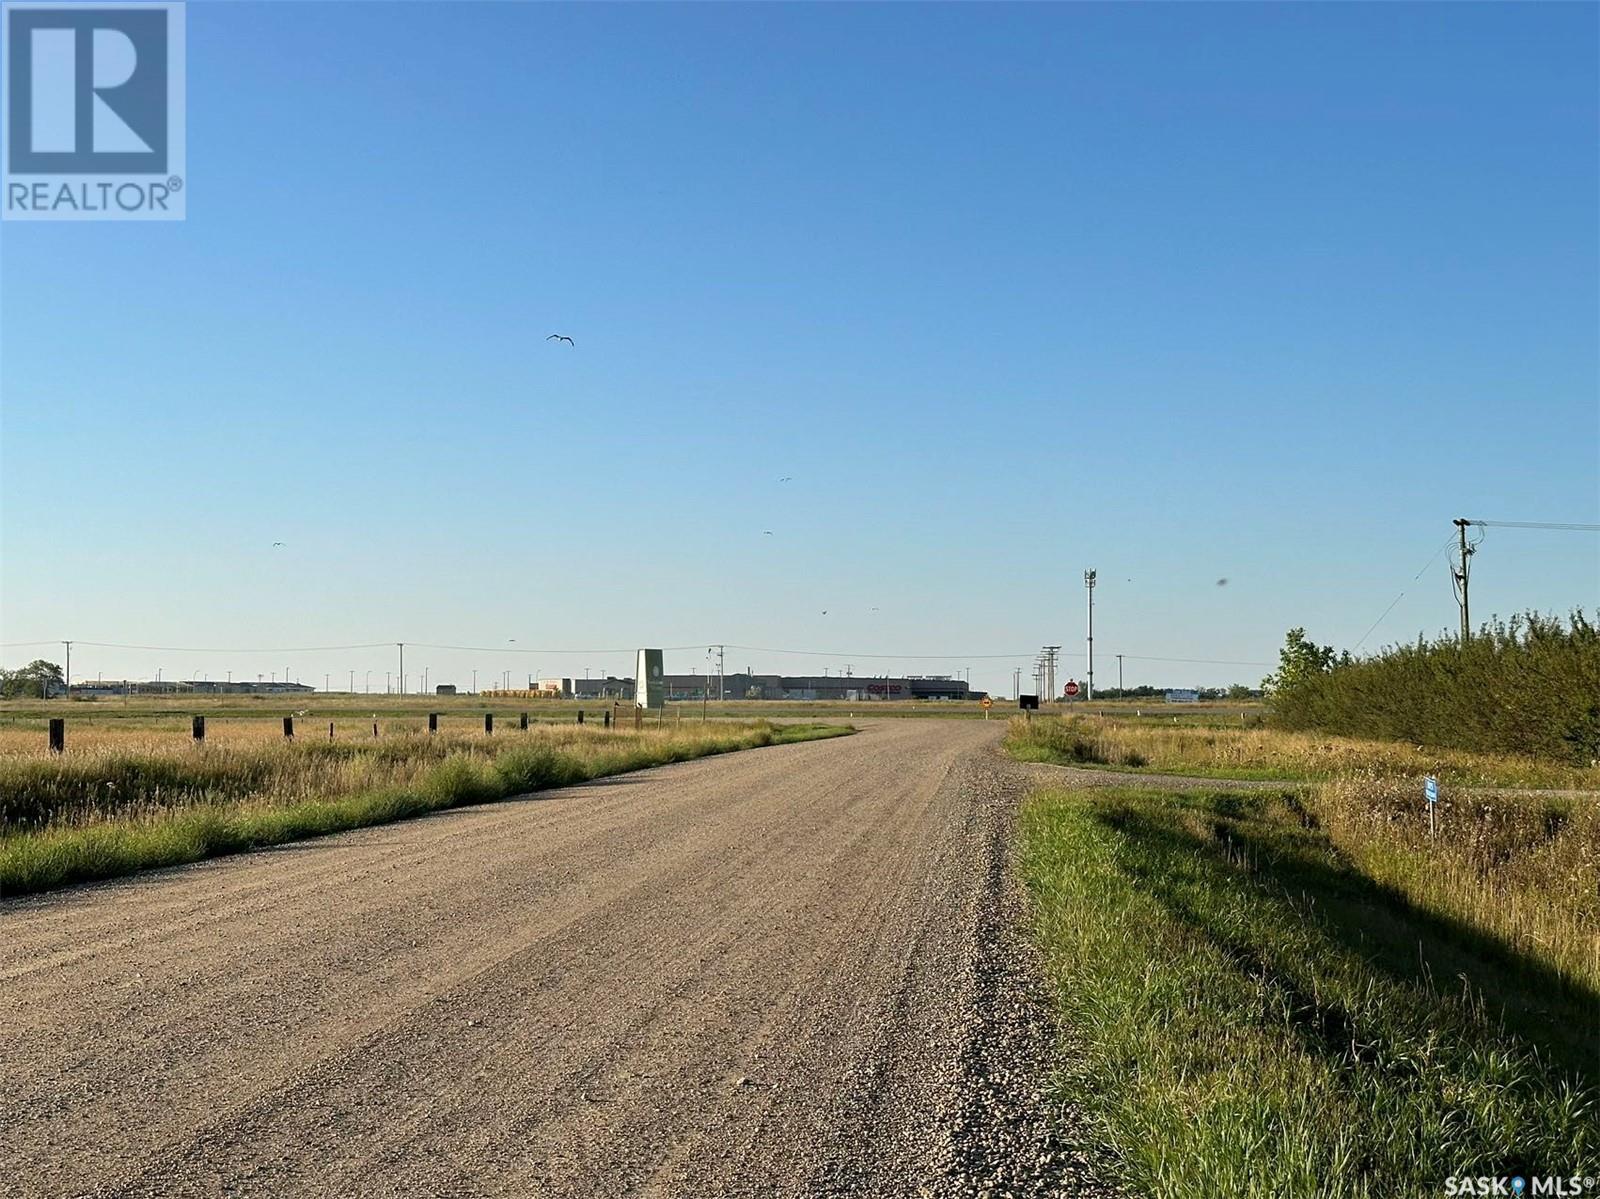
[[1088, 582], [1016, 681], [1046, 672], [402, 646], [718, 649], [1119, 676], [352, 682], [1459, 575], [68, 673]]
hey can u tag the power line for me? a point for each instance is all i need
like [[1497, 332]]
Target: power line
[[1534, 524], [1402, 595], [517, 649], [1196, 661], [839, 653], [200, 649]]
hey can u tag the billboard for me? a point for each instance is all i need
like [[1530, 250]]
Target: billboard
[[1183, 695], [650, 688]]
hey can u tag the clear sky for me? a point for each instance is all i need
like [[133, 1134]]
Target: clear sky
[[1263, 293]]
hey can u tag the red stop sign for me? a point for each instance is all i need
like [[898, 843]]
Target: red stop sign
[[1071, 688]]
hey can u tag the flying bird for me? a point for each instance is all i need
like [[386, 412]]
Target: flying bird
[[1222, 582], [277, 543], [561, 337], [766, 532], [824, 611], [787, 479]]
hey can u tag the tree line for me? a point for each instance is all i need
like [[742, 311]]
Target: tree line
[[30, 681], [1529, 685]]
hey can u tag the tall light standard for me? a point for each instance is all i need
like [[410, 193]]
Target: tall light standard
[[369, 682], [1088, 583]]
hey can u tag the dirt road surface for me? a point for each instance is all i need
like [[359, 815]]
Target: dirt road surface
[[792, 971]]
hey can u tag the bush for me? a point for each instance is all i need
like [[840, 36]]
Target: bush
[[1527, 686]]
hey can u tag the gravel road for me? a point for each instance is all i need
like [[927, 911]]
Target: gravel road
[[793, 971]]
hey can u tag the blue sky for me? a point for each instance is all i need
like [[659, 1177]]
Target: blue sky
[[1268, 293]]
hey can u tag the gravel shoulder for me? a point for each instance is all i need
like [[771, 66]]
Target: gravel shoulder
[[792, 971]]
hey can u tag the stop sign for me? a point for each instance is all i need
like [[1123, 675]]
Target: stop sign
[[1071, 689]]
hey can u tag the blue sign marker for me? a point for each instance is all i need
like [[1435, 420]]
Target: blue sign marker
[[1430, 788]]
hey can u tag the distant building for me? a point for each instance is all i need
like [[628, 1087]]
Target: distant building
[[103, 688], [445, 689], [743, 685]]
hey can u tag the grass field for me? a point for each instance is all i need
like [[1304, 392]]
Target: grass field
[[1232, 751], [401, 712], [1272, 995], [135, 791]]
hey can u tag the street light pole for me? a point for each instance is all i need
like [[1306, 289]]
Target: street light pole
[[1088, 582]]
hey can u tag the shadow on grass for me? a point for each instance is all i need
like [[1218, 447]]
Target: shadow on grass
[[1556, 1016]]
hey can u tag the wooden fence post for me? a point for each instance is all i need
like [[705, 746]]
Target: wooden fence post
[[198, 728], [488, 722], [58, 735], [524, 722], [288, 727], [433, 722]]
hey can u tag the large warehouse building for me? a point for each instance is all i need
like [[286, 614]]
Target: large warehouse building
[[851, 688]]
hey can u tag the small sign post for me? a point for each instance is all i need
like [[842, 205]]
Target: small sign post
[[986, 704], [1070, 690], [1430, 792]]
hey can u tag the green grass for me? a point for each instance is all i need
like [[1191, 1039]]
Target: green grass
[[1254, 1015], [231, 803]]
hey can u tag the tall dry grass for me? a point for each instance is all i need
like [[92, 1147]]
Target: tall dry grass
[[115, 803], [1522, 869], [1269, 753]]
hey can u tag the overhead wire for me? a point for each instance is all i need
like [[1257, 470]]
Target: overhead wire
[[1431, 560]]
